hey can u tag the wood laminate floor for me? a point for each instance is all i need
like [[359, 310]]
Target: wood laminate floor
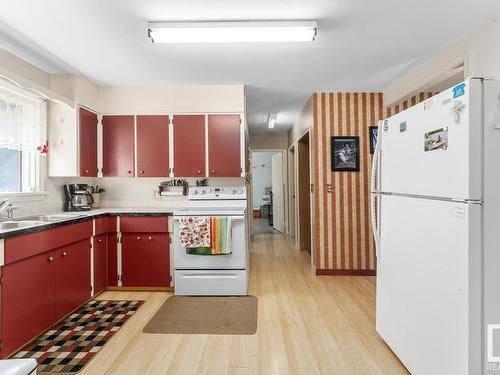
[[306, 325]]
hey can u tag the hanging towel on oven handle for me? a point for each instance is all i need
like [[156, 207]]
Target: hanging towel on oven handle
[[194, 231], [220, 228], [206, 235]]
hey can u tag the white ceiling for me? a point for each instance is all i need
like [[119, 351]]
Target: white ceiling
[[362, 44]]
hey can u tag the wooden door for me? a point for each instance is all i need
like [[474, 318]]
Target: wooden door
[[224, 146], [304, 202], [118, 146], [145, 260], [152, 146], [72, 276], [28, 304], [100, 263], [88, 143], [189, 145]]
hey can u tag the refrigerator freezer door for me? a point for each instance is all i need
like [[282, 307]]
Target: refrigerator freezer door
[[428, 297], [434, 148]]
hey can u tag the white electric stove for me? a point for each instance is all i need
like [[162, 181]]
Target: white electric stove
[[213, 274]]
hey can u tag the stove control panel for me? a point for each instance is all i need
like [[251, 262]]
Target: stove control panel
[[217, 193]]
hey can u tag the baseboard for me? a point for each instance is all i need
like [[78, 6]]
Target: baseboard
[[328, 272], [138, 289]]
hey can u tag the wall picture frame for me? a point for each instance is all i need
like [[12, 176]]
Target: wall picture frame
[[373, 137], [345, 153]]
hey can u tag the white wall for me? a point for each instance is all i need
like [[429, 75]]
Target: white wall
[[262, 175], [479, 50], [303, 123]]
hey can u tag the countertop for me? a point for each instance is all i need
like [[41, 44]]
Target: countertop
[[81, 216]]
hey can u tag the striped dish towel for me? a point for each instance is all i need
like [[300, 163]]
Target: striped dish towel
[[220, 234]]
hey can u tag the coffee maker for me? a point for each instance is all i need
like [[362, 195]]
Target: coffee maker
[[77, 197]]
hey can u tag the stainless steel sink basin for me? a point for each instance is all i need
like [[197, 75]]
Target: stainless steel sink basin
[[11, 224], [52, 217]]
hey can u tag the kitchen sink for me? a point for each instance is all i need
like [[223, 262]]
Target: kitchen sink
[[53, 217], [17, 224]]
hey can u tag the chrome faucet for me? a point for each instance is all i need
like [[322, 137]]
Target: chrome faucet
[[7, 206]]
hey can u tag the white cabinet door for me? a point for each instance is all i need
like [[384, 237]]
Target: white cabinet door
[[428, 288], [451, 166]]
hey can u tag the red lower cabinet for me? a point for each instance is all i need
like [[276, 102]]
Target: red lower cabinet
[[72, 277], [112, 260], [100, 263], [145, 260], [28, 299]]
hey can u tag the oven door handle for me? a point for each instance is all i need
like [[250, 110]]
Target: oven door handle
[[233, 218]]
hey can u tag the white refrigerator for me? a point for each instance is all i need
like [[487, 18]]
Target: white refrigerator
[[436, 221]]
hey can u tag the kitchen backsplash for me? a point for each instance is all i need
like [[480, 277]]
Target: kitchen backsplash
[[120, 192]]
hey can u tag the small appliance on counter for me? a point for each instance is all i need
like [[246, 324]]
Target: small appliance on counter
[[77, 197]]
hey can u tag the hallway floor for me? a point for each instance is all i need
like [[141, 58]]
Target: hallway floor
[[261, 226], [306, 325]]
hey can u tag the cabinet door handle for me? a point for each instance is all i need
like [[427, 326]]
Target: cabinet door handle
[[99, 241], [64, 253], [50, 259], [150, 238], [213, 171], [138, 238], [199, 172], [141, 172], [86, 171], [129, 172]]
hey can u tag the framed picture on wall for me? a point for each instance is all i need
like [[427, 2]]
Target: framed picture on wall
[[373, 132], [345, 153]]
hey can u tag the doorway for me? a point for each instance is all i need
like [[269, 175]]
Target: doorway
[[268, 192], [304, 194]]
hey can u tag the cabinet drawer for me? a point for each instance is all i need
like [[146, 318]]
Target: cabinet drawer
[[105, 225], [144, 224], [17, 248]]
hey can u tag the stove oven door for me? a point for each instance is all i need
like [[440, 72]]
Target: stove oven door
[[237, 260]]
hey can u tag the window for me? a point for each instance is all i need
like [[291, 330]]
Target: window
[[23, 126]]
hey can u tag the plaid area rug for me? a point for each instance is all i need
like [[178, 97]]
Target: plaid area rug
[[69, 345]]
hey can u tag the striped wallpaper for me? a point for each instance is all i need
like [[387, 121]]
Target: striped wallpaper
[[342, 229]]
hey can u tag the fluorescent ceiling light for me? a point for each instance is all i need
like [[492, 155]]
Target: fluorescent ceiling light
[[271, 121], [232, 32]]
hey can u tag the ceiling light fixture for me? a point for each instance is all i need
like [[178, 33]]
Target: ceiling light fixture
[[232, 32], [271, 121]]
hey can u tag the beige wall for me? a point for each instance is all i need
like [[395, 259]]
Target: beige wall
[[302, 124], [151, 99], [76, 88], [268, 141], [479, 51]]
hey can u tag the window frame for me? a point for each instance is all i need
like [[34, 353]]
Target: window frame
[[33, 165]]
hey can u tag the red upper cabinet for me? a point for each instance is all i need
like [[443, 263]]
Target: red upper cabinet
[[118, 146], [88, 143], [224, 145], [152, 146], [189, 145]]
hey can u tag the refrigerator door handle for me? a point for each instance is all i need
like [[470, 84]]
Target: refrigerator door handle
[[375, 216], [375, 176]]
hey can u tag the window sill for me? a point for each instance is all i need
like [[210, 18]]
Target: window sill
[[25, 196]]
